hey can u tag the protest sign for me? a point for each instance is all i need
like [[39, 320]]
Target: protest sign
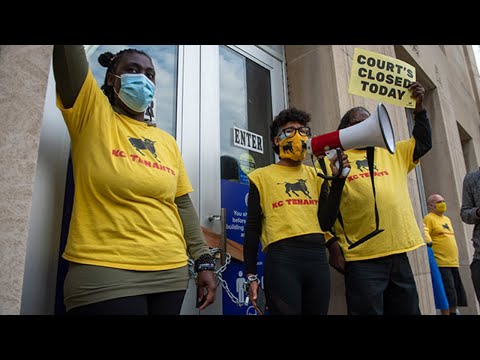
[[382, 78]]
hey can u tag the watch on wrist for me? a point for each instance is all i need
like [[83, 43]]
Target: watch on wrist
[[205, 262]]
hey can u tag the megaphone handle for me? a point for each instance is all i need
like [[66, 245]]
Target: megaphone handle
[[330, 154]]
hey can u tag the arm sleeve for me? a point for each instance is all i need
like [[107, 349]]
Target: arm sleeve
[[468, 211], [70, 68], [252, 231], [196, 243], [329, 203], [426, 232], [422, 132]]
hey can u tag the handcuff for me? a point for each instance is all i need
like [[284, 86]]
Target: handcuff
[[250, 280], [246, 286]]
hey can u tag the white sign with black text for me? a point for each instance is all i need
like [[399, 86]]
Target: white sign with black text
[[247, 140]]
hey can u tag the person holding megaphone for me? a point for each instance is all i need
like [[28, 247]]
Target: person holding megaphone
[[291, 209], [376, 225]]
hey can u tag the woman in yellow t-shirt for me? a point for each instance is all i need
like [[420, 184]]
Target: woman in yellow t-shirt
[[133, 224], [292, 210]]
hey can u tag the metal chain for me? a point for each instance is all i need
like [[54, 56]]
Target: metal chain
[[218, 275]]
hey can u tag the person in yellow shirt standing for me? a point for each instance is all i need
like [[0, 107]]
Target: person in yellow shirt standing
[[291, 210], [444, 246], [133, 224], [376, 227]]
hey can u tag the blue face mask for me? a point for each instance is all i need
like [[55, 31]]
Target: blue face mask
[[136, 91]]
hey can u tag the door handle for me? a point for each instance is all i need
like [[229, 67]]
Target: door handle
[[214, 218], [223, 233]]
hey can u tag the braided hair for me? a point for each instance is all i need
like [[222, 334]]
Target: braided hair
[[111, 62]]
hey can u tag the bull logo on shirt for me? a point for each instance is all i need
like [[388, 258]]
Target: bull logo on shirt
[[363, 164], [300, 185], [445, 226], [145, 144]]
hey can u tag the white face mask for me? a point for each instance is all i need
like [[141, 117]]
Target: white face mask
[[136, 91]]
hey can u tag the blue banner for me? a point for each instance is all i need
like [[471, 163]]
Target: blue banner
[[234, 200]]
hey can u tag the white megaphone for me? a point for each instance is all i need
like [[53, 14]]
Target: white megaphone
[[376, 130]]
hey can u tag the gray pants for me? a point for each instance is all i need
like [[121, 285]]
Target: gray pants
[[475, 270]]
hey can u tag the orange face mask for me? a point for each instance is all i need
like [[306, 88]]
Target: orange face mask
[[294, 148]]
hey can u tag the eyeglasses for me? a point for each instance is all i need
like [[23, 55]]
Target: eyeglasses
[[290, 131]]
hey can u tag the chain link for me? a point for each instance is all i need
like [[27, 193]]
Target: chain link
[[218, 275]]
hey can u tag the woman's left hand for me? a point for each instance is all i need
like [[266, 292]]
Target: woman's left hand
[[345, 163], [206, 280]]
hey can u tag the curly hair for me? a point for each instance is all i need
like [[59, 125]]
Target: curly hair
[[111, 61], [285, 116], [345, 122]]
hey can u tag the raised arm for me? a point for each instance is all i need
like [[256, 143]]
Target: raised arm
[[422, 131], [70, 68]]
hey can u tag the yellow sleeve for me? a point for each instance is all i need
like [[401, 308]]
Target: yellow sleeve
[[426, 231]]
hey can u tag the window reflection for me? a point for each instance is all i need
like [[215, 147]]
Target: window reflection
[[245, 103], [165, 61], [233, 97]]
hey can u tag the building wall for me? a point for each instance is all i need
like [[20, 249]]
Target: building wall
[[318, 77], [23, 79]]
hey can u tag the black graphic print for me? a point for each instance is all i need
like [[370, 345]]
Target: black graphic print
[[363, 164], [145, 144], [300, 185]]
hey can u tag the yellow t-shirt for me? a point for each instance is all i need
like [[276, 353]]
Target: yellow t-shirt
[[127, 176], [428, 238], [444, 245], [289, 201], [401, 232]]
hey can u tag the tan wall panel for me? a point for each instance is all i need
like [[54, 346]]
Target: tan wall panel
[[23, 82]]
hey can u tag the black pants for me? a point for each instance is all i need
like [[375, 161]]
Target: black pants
[[475, 271], [452, 283], [167, 303], [297, 277], [382, 286]]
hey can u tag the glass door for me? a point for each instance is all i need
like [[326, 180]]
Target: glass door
[[242, 88]]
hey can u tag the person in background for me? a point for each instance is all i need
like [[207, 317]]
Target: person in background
[[470, 214], [133, 224], [439, 296], [291, 209], [445, 250], [376, 226]]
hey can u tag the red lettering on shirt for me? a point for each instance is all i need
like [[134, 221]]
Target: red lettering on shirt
[[137, 159], [277, 204], [366, 175], [295, 202]]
